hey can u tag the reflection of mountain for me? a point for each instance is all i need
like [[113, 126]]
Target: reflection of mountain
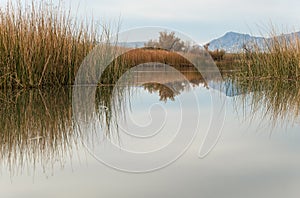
[[227, 86]]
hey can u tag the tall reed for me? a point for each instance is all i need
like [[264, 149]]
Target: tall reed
[[278, 58], [41, 45]]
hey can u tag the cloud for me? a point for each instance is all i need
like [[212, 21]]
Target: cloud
[[178, 10], [214, 17]]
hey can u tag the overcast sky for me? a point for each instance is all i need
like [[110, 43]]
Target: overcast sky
[[202, 20]]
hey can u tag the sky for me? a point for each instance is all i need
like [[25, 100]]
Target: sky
[[202, 20]]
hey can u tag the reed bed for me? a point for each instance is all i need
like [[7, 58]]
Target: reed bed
[[145, 55], [41, 45], [136, 57], [278, 58]]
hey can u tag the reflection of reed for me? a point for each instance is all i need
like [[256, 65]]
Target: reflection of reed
[[110, 101], [278, 101], [36, 127], [155, 78], [109, 105]]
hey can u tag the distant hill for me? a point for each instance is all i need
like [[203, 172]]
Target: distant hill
[[230, 42], [234, 42], [137, 44]]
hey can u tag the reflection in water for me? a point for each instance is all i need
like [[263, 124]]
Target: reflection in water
[[37, 127], [164, 92], [166, 81], [276, 102]]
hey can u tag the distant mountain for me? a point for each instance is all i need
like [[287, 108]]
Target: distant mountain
[[234, 42], [137, 44], [230, 42]]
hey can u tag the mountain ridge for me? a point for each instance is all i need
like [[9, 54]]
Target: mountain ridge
[[235, 42], [231, 42]]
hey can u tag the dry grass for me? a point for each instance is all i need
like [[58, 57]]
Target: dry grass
[[41, 45], [139, 56], [279, 59], [271, 77]]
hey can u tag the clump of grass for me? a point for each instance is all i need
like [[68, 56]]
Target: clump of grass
[[278, 58], [41, 45], [144, 55]]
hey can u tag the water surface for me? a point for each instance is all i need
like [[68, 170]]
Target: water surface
[[45, 152]]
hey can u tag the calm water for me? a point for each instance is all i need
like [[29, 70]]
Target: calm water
[[164, 122]]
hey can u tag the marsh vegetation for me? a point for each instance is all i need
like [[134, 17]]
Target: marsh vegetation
[[277, 59], [41, 45]]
